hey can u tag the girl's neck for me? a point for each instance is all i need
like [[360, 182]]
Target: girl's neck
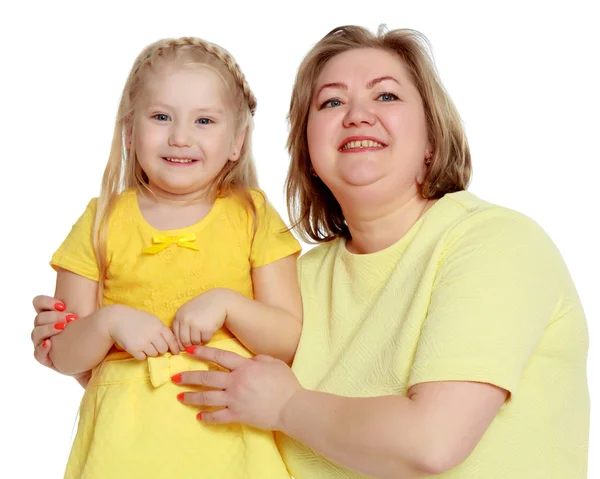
[[159, 196]]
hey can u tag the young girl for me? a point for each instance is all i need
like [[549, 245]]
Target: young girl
[[179, 249]]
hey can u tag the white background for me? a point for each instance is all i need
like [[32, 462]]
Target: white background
[[523, 75]]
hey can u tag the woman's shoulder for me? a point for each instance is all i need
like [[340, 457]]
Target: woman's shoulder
[[319, 254], [472, 215], [479, 226]]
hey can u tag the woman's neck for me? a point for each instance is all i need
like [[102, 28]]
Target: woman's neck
[[374, 227]]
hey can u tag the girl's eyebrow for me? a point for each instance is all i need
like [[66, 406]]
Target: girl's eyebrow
[[206, 109]]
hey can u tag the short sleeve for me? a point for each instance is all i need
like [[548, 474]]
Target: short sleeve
[[76, 253], [497, 286], [272, 240]]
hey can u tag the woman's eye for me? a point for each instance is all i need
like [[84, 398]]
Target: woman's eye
[[333, 103], [161, 117], [387, 97]]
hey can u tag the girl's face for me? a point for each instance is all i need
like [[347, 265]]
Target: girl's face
[[366, 130], [184, 130]]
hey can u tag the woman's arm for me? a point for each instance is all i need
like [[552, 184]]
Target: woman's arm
[[429, 432], [432, 430]]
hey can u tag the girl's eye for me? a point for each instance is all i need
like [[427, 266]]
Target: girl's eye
[[387, 97], [333, 103], [204, 121], [161, 117]]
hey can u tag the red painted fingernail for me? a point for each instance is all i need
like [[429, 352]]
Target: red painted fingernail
[[71, 317], [180, 397], [59, 325], [60, 307], [176, 378], [199, 416], [190, 349], [45, 344]]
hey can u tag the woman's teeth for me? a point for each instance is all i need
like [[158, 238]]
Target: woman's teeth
[[362, 144]]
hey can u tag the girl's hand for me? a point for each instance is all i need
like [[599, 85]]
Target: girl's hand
[[199, 319], [141, 334], [52, 317]]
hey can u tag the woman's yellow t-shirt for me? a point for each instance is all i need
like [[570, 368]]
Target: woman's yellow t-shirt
[[473, 292], [158, 271]]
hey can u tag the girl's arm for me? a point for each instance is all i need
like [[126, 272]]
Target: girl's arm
[[84, 343], [47, 319], [272, 323]]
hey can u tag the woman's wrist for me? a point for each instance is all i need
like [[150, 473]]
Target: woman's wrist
[[293, 409]]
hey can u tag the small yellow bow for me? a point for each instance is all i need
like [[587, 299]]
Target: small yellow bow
[[163, 241]]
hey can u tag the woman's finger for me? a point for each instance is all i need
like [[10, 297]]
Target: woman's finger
[[204, 398], [48, 303], [211, 379], [227, 359], [41, 353], [40, 333], [222, 416], [49, 317]]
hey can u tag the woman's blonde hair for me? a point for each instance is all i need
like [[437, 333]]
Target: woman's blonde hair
[[123, 170], [313, 209]]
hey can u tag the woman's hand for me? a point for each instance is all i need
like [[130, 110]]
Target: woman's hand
[[50, 320], [254, 392], [200, 318]]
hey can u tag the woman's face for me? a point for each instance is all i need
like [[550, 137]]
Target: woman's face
[[366, 125]]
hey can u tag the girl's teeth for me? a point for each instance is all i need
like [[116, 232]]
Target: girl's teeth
[[179, 160]]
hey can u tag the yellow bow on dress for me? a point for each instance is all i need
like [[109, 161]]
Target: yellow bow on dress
[[161, 242]]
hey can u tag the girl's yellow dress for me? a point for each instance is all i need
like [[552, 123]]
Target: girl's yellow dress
[[131, 424]]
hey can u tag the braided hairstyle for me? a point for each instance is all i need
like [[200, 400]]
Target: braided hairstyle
[[123, 170]]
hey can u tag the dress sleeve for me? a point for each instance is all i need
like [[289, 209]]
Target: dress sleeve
[[271, 240], [497, 286], [76, 253]]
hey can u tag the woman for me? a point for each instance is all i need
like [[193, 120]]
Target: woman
[[442, 334]]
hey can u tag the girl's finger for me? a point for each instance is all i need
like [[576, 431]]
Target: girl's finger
[[195, 336], [184, 335], [171, 341], [150, 351]]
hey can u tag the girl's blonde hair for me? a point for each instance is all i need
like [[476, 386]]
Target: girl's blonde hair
[[123, 170], [313, 209]]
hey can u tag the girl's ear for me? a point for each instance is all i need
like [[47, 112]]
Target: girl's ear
[[128, 125], [237, 144]]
